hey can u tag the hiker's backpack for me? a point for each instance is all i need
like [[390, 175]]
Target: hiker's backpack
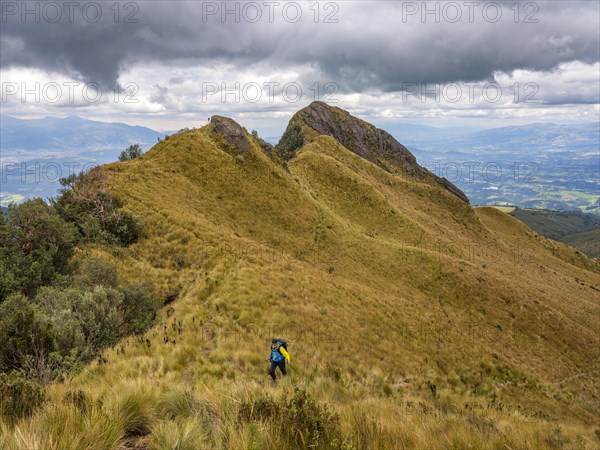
[[282, 343]]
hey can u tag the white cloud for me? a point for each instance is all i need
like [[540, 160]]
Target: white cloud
[[166, 97]]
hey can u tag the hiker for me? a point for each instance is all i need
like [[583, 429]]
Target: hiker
[[278, 357]]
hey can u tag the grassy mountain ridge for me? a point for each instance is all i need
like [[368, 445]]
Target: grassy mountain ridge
[[360, 137], [588, 242], [418, 319], [557, 224], [571, 227]]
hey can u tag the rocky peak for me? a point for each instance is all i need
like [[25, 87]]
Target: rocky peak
[[360, 137], [236, 136], [357, 135], [232, 131]]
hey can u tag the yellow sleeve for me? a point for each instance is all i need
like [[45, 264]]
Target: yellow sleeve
[[285, 353]]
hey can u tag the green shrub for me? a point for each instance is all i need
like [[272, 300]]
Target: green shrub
[[85, 201], [63, 327], [307, 422], [8, 253], [264, 408], [125, 227], [300, 419], [25, 334], [84, 321], [96, 272], [291, 141], [43, 232], [140, 305], [36, 245], [8, 278], [19, 397]]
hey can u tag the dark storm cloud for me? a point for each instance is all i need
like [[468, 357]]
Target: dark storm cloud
[[371, 46]]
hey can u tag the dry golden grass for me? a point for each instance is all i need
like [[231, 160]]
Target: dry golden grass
[[506, 209], [422, 322]]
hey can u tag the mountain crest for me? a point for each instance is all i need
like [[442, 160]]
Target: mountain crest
[[362, 138]]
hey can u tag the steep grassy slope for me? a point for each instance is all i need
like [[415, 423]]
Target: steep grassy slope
[[557, 224], [588, 242], [576, 229], [421, 321]]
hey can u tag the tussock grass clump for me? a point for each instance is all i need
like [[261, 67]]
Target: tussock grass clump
[[369, 430], [178, 403], [62, 426], [185, 435], [136, 411]]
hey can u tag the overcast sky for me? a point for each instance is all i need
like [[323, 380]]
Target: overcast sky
[[164, 64]]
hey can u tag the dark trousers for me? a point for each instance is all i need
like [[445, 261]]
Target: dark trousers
[[275, 365]]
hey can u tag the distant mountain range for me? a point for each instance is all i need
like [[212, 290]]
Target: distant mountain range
[[36, 153], [534, 136], [548, 166], [545, 166], [71, 134]]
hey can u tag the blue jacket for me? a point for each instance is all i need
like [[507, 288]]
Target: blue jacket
[[279, 353]]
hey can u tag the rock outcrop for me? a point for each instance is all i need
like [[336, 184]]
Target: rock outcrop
[[367, 141], [233, 133]]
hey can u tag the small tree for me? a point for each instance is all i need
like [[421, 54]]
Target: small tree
[[131, 152], [85, 200]]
